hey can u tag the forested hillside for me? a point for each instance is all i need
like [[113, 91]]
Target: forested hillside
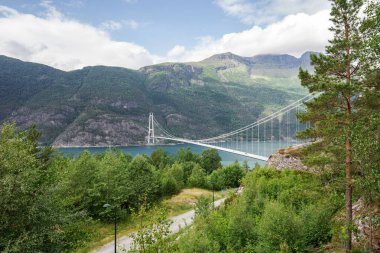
[[110, 105]]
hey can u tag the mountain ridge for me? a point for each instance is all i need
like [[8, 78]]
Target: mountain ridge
[[101, 105]]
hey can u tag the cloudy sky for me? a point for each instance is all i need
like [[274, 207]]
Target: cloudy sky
[[72, 34]]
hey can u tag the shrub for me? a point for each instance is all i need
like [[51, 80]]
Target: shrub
[[197, 177]]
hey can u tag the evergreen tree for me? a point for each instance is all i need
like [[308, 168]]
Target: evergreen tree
[[342, 76]]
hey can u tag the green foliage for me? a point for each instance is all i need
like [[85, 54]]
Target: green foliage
[[155, 236], [317, 225], [279, 225], [32, 217], [176, 170], [185, 155], [367, 141], [278, 211], [187, 170], [227, 177], [347, 79], [210, 160], [169, 185], [143, 179], [202, 207], [172, 179], [197, 177], [160, 158]]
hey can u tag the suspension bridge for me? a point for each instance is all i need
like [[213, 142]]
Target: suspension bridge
[[275, 131]]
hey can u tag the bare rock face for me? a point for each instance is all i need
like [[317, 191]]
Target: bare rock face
[[288, 158], [52, 118], [363, 217], [49, 121], [175, 120], [103, 130]]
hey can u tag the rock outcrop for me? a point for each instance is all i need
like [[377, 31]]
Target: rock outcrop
[[288, 158], [364, 218]]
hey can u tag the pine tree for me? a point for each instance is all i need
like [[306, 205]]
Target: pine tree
[[333, 114]]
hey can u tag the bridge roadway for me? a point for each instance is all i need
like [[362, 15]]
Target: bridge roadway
[[258, 157]]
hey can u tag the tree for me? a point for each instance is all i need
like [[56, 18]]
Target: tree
[[185, 155], [227, 177], [32, 217], [368, 128], [188, 169], [172, 180], [142, 179], [78, 187], [197, 177], [340, 77], [210, 160], [176, 170], [160, 158]]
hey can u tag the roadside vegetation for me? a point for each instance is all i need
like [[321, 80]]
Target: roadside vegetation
[[52, 203], [170, 206]]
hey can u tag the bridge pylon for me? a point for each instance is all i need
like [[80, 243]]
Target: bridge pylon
[[150, 137]]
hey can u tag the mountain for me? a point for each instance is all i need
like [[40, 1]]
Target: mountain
[[110, 105]]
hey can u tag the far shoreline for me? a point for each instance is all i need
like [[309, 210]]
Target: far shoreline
[[116, 146]]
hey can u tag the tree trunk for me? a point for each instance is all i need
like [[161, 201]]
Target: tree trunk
[[348, 161], [348, 195]]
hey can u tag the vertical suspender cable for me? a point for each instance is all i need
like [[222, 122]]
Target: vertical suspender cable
[[258, 139]]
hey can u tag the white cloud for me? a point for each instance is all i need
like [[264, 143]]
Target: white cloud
[[263, 12], [64, 43], [51, 11], [132, 24], [67, 44], [293, 35], [238, 8], [111, 25], [176, 51]]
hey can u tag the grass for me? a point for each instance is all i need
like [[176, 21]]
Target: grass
[[186, 200], [295, 151], [175, 205]]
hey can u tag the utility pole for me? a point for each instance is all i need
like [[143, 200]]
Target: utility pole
[[115, 226]]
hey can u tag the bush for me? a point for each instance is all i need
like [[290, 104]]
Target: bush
[[210, 160], [176, 170], [226, 177], [197, 177], [278, 211], [277, 226], [169, 185], [317, 225]]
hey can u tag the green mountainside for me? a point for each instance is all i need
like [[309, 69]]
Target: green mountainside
[[110, 105]]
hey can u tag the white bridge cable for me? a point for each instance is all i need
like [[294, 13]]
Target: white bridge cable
[[257, 123], [162, 129], [265, 119]]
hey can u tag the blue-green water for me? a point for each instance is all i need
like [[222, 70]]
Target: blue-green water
[[262, 148]]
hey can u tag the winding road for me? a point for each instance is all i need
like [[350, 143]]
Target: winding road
[[178, 222]]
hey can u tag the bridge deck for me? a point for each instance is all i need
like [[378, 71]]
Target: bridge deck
[[258, 157]]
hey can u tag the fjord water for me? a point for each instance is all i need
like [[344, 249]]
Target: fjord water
[[262, 148]]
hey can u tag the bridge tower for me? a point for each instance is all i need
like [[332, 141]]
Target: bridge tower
[[151, 138]]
